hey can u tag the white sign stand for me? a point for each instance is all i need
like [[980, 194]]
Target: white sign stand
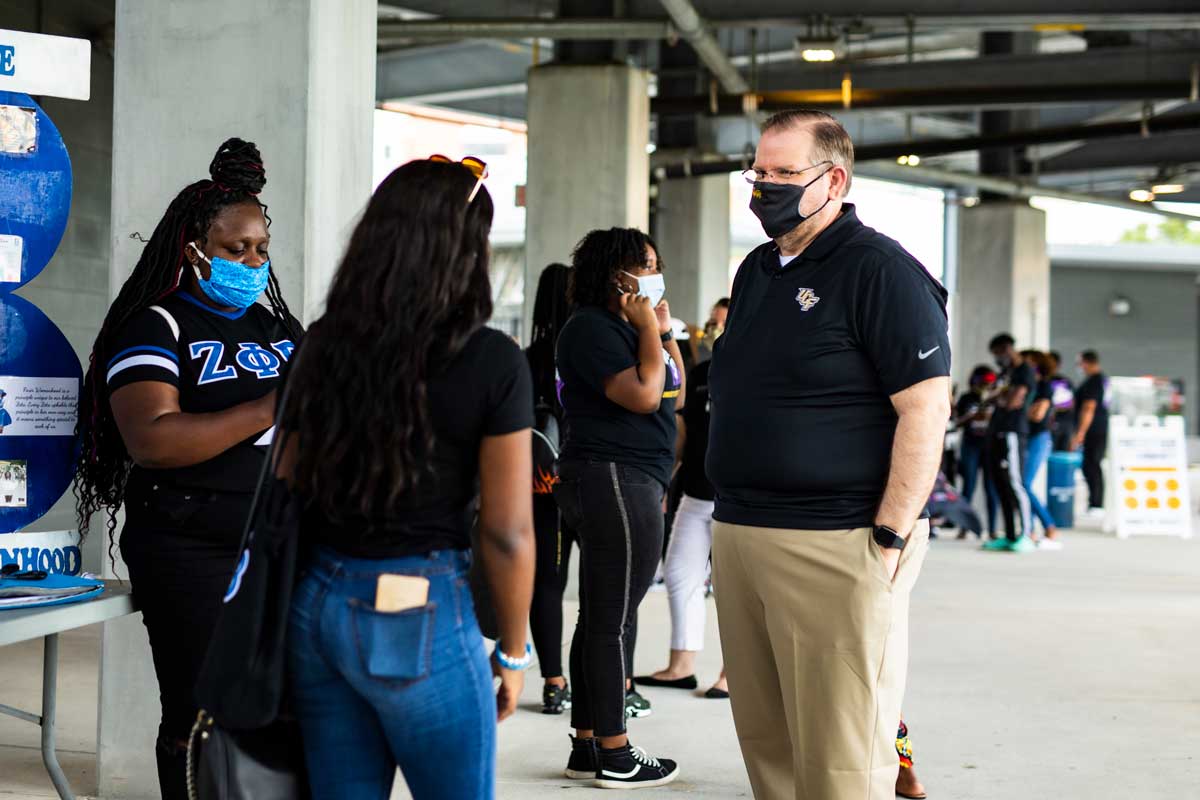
[[1150, 493], [37, 64]]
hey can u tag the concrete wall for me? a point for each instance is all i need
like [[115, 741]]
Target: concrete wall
[[73, 290], [1159, 336]]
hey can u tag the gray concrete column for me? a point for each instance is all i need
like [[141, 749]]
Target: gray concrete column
[[298, 79], [692, 230], [1003, 281], [588, 166]]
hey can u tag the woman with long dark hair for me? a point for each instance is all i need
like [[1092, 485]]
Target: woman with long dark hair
[[175, 416], [621, 378], [403, 408], [554, 539]]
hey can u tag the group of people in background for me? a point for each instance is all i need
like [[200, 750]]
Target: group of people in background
[[1011, 420]]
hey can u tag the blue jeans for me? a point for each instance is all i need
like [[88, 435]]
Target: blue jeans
[[377, 690], [970, 464], [1039, 453]]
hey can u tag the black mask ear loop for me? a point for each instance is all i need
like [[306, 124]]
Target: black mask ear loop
[[828, 197]]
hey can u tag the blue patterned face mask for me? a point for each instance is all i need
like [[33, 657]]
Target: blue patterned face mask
[[231, 283]]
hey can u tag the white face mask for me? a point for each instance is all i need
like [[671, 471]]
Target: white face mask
[[652, 287]]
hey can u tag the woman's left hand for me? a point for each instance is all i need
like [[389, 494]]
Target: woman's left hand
[[663, 312]]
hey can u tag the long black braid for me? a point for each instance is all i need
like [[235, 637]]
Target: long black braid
[[102, 469], [598, 258], [550, 311]]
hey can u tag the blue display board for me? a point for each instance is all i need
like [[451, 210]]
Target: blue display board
[[35, 190], [40, 376]]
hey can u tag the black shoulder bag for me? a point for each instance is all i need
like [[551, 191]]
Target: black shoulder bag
[[242, 747]]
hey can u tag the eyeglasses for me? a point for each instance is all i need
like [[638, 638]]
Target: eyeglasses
[[12, 572], [753, 176], [477, 166]]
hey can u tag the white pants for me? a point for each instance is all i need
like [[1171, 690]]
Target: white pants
[[686, 570]]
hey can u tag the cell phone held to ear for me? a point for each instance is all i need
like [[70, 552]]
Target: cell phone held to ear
[[395, 593]]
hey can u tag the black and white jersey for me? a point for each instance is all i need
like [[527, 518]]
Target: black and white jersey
[[216, 360]]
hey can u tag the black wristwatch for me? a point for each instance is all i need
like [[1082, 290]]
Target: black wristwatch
[[667, 337], [887, 538]]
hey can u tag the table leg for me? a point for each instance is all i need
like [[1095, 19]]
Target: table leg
[[49, 702]]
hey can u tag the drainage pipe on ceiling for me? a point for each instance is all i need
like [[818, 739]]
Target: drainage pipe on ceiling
[[693, 29]]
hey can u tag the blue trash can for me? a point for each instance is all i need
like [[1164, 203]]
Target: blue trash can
[[1060, 485]]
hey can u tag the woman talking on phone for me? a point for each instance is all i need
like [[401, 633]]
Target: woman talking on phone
[[621, 377], [174, 419], [402, 409]]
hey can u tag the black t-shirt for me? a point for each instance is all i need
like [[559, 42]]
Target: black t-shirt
[[485, 390], [1044, 391], [802, 421], [1094, 388], [216, 360], [594, 345], [1016, 420], [695, 415], [968, 405]]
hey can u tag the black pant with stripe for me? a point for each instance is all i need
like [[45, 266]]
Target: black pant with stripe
[[1004, 463], [616, 511]]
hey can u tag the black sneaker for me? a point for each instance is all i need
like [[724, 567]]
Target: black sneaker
[[584, 763], [629, 767], [556, 699], [636, 705]]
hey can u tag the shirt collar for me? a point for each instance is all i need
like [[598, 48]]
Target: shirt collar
[[830, 239], [184, 294]]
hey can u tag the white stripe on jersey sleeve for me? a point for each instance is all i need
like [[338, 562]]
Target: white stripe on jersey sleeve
[[142, 361], [174, 326], [266, 438]]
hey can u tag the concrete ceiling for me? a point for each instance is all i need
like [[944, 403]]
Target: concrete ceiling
[[1128, 54]]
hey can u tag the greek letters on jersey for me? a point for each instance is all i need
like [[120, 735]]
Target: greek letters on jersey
[[216, 360]]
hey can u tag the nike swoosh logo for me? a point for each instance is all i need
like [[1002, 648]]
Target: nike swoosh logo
[[924, 356]]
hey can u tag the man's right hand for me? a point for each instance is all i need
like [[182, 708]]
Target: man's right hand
[[639, 312]]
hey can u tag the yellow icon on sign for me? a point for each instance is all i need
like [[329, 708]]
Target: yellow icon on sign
[[1152, 486], [1152, 503], [1130, 485], [1173, 485], [1174, 503], [1131, 502]]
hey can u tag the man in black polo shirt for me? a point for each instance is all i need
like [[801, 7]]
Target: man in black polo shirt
[[1008, 440], [830, 394], [1091, 403]]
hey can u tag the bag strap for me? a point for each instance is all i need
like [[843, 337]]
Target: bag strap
[[277, 443]]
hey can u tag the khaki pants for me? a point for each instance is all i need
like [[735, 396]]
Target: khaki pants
[[815, 639]]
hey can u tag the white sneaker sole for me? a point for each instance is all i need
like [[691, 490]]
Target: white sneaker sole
[[640, 713], [607, 783], [576, 775]]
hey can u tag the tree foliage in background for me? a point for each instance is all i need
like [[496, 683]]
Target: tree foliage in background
[[1170, 231]]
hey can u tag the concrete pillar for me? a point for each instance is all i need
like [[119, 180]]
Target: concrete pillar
[[298, 79], [588, 166], [692, 230], [1003, 281]]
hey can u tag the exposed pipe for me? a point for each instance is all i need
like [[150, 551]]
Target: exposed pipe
[[931, 147], [692, 28], [647, 29], [862, 99]]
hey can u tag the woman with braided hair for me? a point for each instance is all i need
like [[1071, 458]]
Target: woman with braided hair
[[175, 415]]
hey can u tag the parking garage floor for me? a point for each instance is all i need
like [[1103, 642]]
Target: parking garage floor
[[1048, 675]]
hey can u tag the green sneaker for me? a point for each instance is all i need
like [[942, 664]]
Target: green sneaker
[[636, 705], [1001, 545], [1023, 545]]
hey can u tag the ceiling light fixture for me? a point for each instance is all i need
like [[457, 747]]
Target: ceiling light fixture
[[1167, 188], [1141, 195], [818, 49], [909, 161]]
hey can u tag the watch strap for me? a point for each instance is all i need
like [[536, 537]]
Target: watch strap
[[887, 538], [667, 337]]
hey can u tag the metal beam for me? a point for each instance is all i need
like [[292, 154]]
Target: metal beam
[[693, 29], [648, 29]]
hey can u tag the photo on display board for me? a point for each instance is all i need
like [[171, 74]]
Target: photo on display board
[[18, 130], [14, 484]]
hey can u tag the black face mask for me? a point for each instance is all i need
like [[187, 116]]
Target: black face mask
[[777, 205]]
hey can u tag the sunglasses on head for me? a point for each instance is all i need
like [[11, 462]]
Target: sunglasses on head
[[477, 166], [13, 573]]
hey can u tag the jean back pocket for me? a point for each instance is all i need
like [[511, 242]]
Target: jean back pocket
[[394, 645]]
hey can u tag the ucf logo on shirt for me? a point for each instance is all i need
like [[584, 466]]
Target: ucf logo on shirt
[[807, 298]]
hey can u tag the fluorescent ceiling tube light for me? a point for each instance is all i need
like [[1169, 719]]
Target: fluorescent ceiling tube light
[[1167, 188], [1141, 195], [820, 48]]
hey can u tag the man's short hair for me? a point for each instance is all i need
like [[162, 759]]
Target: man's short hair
[[722, 303], [830, 141], [1089, 357], [1000, 341], [1057, 356]]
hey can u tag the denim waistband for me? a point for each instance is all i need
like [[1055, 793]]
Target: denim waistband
[[327, 563]]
